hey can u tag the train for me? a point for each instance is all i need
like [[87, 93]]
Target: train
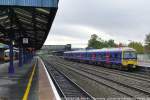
[[5, 55], [123, 58]]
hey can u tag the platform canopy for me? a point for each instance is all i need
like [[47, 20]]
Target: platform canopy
[[26, 22]]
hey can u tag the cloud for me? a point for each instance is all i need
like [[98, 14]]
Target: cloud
[[121, 20]]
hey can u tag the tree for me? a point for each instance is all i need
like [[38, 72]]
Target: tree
[[111, 43], [97, 43], [137, 46], [93, 42]]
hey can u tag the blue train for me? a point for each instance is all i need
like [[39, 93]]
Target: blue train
[[124, 58]]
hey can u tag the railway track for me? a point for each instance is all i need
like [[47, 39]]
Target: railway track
[[113, 71], [65, 86], [135, 92], [118, 86], [145, 82]]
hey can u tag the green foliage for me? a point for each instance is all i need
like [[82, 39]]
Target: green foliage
[[137, 46], [97, 43]]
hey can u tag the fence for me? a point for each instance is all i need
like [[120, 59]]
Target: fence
[[144, 58]]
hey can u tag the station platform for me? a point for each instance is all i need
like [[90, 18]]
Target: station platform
[[29, 82], [12, 86], [47, 90]]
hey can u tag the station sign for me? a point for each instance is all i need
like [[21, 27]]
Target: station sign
[[25, 40]]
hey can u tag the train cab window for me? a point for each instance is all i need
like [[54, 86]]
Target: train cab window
[[6, 54], [130, 55]]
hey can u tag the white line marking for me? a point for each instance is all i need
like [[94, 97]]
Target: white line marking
[[51, 82]]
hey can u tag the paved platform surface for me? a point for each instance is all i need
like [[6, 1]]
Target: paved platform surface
[[47, 91], [34, 90], [42, 87], [12, 86]]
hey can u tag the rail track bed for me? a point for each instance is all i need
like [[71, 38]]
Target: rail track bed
[[130, 84], [67, 89]]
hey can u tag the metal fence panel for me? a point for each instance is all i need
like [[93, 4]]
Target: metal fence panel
[[144, 57]]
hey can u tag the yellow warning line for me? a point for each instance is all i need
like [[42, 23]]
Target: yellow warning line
[[26, 94]]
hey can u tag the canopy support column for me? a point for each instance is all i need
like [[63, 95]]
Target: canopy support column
[[20, 57], [11, 66]]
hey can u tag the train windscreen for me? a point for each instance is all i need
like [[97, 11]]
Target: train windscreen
[[130, 55]]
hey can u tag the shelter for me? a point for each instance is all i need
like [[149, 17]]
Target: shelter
[[26, 23]]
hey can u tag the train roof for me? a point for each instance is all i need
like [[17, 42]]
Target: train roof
[[103, 50], [9, 50]]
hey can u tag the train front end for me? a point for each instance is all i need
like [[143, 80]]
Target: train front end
[[129, 59]]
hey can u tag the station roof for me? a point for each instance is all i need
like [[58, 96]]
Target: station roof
[[3, 46], [26, 20]]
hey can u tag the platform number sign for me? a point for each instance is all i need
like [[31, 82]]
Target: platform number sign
[[25, 40]]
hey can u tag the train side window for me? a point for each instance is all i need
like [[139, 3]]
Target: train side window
[[97, 55], [117, 56], [111, 56], [94, 55], [90, 55], [7, 54], [103, 56], [86, 55]]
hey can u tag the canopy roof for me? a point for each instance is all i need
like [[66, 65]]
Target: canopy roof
[[21, 22]]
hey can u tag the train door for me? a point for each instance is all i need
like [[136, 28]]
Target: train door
[[107, 57], [93, 56]]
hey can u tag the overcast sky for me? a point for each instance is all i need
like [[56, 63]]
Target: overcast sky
[[121, 20]]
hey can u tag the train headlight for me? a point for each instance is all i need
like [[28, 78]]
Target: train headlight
[[134, 66]]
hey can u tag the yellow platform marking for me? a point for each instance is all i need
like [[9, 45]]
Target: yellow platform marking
[[26, 94]]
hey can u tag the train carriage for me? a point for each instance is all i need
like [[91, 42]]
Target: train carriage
[[6, 55], [122, 58]]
